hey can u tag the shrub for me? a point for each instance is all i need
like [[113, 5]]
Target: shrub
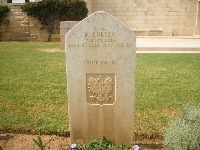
[[100, 144], [3, 10], [183, 133], [51, 12]]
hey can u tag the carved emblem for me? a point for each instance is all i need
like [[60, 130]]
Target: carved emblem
[[100, 89]]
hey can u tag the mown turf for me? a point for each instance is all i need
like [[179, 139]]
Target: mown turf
[[33, 88], [164, 84]]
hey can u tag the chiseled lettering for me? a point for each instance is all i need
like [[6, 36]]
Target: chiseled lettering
[[110, 40], [86, 34], [102, 62], [90, 45], [74, 45], [91, 62], [96, 40], [129, 45], [100, 28], [108, 62], [99, 34], [120, 45], [107, 45]]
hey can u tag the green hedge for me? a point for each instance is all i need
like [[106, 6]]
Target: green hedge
[[51, 12], [3, 10]]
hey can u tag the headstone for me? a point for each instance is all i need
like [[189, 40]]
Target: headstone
[[100, 54], [65, 26]]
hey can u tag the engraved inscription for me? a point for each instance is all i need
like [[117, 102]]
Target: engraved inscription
[[100, 37], [99, 34], [100, 88], [102, 62]]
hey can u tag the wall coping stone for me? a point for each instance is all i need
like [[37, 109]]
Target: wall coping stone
[[15, 4]]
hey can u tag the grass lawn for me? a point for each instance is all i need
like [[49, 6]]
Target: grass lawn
[[33, 88]]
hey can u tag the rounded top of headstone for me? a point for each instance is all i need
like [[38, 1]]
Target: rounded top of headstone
[[99, 21]]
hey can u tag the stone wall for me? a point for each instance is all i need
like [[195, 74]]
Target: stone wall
[[145, 17], [17, 26], [153, 17], [3, 1]]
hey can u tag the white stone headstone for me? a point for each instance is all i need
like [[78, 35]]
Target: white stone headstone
[[100, 55]]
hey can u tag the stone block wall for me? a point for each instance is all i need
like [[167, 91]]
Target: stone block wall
[[17, 26], [153, 17], [3, 1], [145, 17]]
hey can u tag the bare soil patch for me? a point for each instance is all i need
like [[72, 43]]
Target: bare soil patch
[[12, 141]]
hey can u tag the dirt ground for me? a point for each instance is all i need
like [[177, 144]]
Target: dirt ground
[[11, 141]]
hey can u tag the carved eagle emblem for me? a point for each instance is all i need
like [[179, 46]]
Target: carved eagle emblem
[[100, 88]]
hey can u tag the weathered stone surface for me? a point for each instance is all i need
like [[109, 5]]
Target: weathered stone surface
[[65, 26], [100, 53]]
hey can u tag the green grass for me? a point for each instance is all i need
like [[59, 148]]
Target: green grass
[[164, 84], [33, 88]]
